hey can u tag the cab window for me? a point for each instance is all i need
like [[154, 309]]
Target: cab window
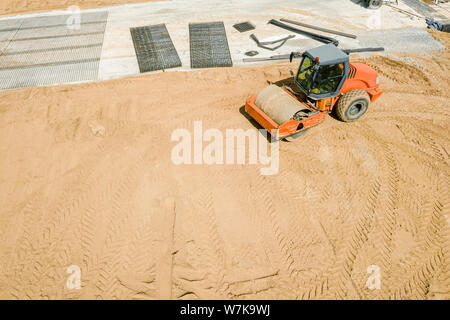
[[305, 75], [328, 78]]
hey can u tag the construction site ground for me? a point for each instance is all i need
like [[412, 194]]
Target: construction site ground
[[87, 179]]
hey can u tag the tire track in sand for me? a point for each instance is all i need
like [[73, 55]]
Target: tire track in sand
[[389, 212], [434, 245]]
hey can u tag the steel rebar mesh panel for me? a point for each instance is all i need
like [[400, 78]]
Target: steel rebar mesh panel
[[209, 45], [154, 48]]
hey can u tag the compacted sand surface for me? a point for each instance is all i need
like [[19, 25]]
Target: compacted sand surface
[[86, 179]]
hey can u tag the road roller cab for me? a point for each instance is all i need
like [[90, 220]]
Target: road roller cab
[[328, 82], [322, 72]]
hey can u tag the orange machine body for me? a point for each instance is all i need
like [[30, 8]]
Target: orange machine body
[[360, 77]]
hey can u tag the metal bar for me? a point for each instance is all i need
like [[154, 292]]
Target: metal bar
[[271, 58], [264, 44], [298, 55], [315, 36], [348, 35], [348, 51], [271, 42]]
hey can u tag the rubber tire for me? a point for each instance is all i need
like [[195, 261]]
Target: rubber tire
[[349, 100], [374, 4], [296, 136]]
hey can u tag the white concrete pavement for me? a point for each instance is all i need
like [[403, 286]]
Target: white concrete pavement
[[119, 58]]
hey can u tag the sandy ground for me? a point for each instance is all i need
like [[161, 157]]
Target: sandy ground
[[8, 7], [86, 179]]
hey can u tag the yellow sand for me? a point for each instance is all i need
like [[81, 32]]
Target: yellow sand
[[86, 179], [8, 7]]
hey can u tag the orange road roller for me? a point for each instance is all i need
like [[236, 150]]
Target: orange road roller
[[328, 82]]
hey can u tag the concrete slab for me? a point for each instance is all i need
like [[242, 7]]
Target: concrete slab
[[43, 50], [50, 74], [8, 29]]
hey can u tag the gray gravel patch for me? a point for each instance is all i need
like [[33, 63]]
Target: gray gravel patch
[[401, 40], [419, 7], [423, 9]]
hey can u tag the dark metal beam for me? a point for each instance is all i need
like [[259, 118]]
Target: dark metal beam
[[348, 51], [315, 36], [348, 35]]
